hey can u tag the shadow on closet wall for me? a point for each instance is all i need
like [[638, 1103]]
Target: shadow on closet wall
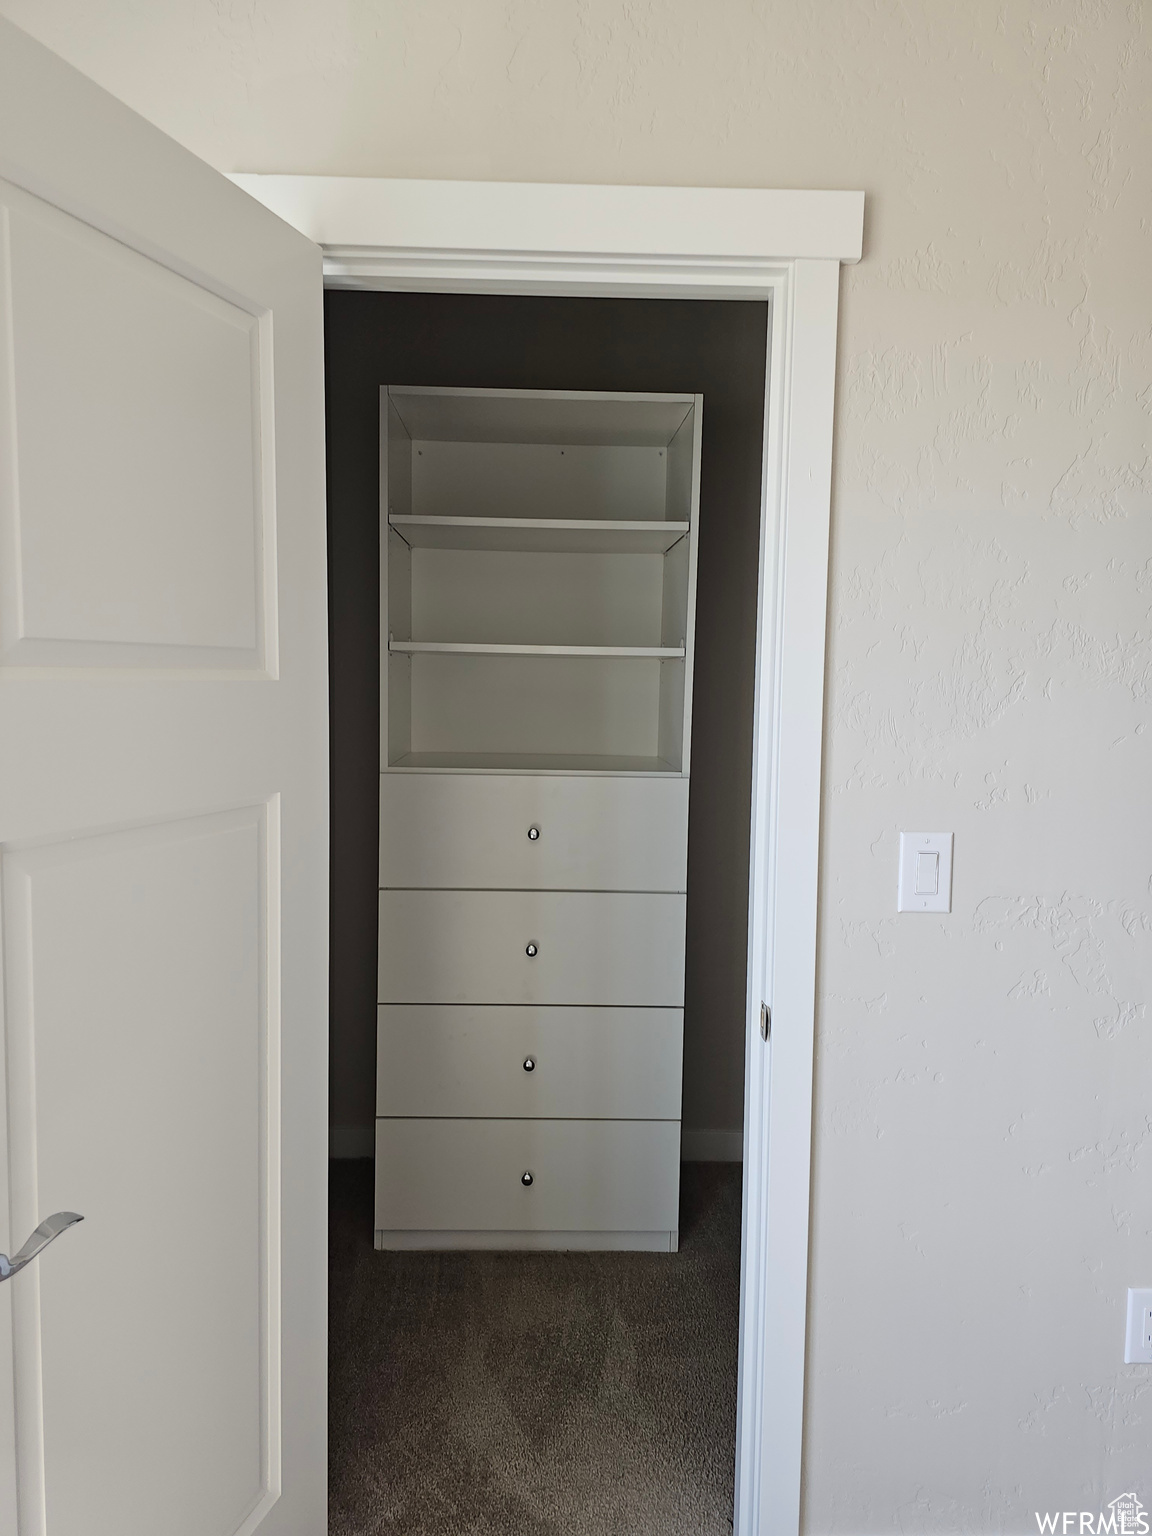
[[716, 348]]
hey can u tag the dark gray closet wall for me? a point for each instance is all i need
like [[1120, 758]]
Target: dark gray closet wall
[[716, 348]]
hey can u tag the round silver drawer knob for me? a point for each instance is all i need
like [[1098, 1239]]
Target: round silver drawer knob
[[531, 951], [525, 1178], [533, 834], [529, 1064]]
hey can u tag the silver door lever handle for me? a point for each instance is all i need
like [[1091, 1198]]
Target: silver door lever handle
[[39, 1240]]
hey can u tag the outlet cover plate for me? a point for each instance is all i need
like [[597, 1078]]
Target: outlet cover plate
[[1138, 1333], [925, 883]]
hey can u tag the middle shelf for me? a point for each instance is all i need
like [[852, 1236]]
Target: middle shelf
[[484, 648], [547, 535]]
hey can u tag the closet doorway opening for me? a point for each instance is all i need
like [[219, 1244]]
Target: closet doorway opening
[[539, 1390]]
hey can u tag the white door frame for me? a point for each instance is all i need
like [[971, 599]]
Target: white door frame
[[693, 242]]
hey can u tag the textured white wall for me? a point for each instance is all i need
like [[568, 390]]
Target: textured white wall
[[984, 1131]]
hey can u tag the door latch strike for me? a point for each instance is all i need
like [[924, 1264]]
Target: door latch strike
[[765, 1022]]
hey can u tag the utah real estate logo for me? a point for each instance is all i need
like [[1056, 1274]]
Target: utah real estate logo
[[1125, 1516]]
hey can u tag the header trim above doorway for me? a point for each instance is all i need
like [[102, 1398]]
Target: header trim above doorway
[[496, 236]]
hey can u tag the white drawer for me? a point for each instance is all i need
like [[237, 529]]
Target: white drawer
[[587, 1063], [471, 830], [466, 1175], [591, 947]]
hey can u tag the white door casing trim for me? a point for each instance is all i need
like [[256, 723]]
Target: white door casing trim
[[528, 237], [786, 247]]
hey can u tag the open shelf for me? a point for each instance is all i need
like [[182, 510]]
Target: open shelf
[[469, 648], [538, 577], [544, 535], [596, 418], [529, 762]]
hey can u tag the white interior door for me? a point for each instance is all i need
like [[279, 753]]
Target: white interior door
[[163, 832]]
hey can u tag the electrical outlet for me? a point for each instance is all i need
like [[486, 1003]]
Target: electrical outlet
[[1138, 1335]]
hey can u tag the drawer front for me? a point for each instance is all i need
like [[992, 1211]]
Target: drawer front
[[596, 948], [465, 1175], [471, 830], [586, 1063]]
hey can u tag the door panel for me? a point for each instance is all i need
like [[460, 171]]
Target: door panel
[[142, 1034], [163, 832], [133, 507]]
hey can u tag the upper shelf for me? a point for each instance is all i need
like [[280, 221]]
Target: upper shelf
[[549, 535], [552, 416]]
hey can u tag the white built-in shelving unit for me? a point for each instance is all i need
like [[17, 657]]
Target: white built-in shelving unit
[[538, 600]]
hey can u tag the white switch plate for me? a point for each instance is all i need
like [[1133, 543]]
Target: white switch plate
[[1138, 1334], [925, 872]]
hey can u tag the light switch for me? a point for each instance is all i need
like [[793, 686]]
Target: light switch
[[925, 883], [1138, 1333]]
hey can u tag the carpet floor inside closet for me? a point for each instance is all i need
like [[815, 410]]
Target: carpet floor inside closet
[[535, 1394]]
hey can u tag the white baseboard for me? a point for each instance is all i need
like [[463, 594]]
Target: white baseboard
[[351, 1140], [711, 1146]]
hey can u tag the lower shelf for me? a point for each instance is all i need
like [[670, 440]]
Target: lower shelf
[[578, 1242], [529, 762]]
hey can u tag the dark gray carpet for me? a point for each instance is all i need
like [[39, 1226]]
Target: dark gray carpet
[[535, 1394]]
